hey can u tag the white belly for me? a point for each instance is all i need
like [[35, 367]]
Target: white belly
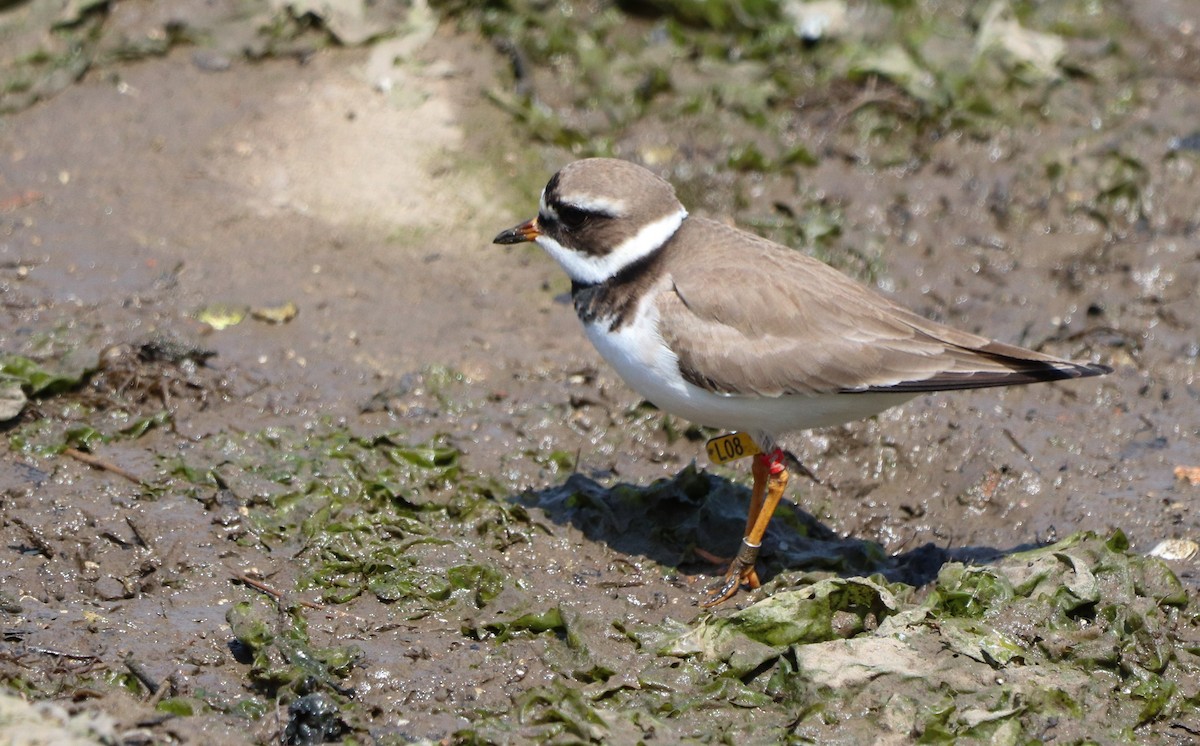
[[640, 356]]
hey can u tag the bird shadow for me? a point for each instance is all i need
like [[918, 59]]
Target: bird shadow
[[669, 519]]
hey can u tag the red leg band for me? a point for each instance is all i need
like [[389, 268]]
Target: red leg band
[[775, 461]]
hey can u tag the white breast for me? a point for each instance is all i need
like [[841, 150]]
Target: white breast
[[641, 357]]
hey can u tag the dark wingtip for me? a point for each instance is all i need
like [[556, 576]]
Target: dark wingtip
[[1094, 369], [1033, 371]]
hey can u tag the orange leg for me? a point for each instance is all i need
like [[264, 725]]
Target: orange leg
[[770, 480], [759, 468]]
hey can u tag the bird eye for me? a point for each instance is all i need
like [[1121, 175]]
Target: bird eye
[[572, 218]]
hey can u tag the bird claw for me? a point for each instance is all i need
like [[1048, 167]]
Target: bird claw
[[738, 573]]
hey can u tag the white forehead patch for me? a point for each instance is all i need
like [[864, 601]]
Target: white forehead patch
[[590, 270], [545, 209]]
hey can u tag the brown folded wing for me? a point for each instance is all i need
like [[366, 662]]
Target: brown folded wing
[[748, 316]]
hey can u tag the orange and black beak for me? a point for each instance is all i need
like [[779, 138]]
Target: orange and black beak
[[526, 231]]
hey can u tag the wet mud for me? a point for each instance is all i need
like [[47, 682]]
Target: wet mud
[[305, 459]]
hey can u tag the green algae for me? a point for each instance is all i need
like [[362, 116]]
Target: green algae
[[952, 65], [1036, 644], [83, 428], [993, 653], [369, 514], [281, 654], [36, 379]]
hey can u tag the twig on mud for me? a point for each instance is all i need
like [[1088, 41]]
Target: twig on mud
[[137, 534], [139, 670], [35, 536], [1016, 443], [872, 97], [273, 593], [100, 463], [897, 549], [75, 663], [62, 654], [164, 389], [168, 686], [17, 201]]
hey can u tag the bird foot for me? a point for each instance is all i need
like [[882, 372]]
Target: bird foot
[[741, 570]]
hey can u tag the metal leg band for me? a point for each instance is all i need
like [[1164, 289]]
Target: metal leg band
[[747, 554]]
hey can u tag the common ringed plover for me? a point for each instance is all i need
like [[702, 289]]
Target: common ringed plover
[[727, 329]]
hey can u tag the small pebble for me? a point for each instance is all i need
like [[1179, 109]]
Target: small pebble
[[210, 61]]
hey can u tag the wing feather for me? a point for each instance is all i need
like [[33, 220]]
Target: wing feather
[[748, 316]]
